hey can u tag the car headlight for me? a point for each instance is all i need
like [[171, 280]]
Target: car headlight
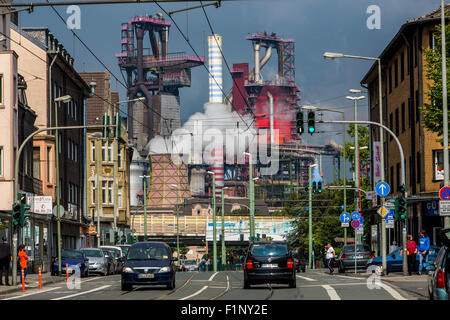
[[164, 269], [127, 270]]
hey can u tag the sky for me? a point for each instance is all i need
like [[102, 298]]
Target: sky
[[316, 26]]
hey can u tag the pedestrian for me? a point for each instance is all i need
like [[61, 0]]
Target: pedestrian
[[411, 248], [393, 247], [329, 255], [23, 257], [5, 259], [424, 247]]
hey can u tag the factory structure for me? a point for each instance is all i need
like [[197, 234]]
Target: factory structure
[[156, 75]]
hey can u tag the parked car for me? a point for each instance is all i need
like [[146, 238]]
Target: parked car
[[124, 248], [439, 270], [112, 262], [148, 263], [300, 263], [118, 257], [189, 265], [98, 263], [269, 262], [74, 258], [347, 258], [394, 260]]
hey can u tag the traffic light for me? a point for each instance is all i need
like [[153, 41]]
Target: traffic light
[[116, 237], [24, 213], [319, 187], [403, 205], [363, 238], [16, 214], [300, 121], [311, 122], [314, 187]]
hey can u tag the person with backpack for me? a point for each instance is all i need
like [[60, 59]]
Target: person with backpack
[[411, 250], [423, 249]]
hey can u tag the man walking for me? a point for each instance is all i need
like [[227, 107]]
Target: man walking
[[423, 248], [329, 255], [5, 259]]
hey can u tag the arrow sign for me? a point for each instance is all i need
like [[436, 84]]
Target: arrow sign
[[382, 189], [383, 211], [355, 224], [345, 217], [444, 193]]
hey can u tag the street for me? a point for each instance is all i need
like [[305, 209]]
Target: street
[[312, 285]]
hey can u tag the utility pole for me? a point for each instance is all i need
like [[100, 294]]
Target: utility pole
[[252, 196], [310, 262], [214, 221], [144, 180], [97, 184], [224, 261], [444, 106], [116, 165]]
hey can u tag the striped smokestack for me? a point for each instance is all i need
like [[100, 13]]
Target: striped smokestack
[[215, 68], [217, 168]]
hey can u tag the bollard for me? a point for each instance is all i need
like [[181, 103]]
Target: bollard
[[23, 281], [40, 278], [67, 272]]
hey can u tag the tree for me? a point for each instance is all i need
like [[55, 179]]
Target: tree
[[432, 112]]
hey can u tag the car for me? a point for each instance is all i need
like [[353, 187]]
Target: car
[[112, 262], [269, 262], [148, 263], [347, 258], [300, 263], [74, 258], [98, 263], [439, 270], [118, 257], [394, 260], [190, 265]]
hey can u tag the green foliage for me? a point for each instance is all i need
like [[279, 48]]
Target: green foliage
[[363, 140], [432, 112]]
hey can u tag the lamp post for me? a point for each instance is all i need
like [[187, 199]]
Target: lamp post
[[144, 180], [63, 99], [224, 261], [252, 195], [214, 221], [97, 136], [310, 262], [332, 56], [358, 174], [174, 186]]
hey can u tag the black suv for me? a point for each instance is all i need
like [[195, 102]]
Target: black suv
[[269, 262]]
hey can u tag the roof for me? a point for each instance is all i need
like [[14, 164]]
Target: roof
[[433, 16], [150, 243]]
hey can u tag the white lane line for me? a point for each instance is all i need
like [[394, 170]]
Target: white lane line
[[306, 278], [347, 277], [391, 291], [81, 293], [331, 292], [195, 293], [30, 294], [212, 277], [334, 284]]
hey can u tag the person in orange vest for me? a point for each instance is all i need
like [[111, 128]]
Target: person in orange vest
[[23, 257]]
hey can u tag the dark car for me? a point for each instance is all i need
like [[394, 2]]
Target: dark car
[[74, 259], [300, 263], [269, 262], [439, 270], [148, 263], [347, 258]]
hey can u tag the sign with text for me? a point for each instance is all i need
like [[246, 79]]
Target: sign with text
[[444, 208], [42, 204], [376, 161]]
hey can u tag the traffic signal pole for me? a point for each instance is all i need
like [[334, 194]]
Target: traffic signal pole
[[402, 177], [310, 219]]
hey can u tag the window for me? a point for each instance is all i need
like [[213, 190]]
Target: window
[[110, 197], [410, 171], [36, 162], [103, 150], [109, 151], [92, 150], [104, 192], [49, 149], [59, 141], [391, 124], [119, 197], [397, 172], [438, 165], [93, 193], [417, 106], [392, 177], [416, 49], [396, 73], [69, 190], [396, 122], [75, 110], [403, 118], [402, 66], [418, 167], [390, 79], [119, 158], [1, 89]]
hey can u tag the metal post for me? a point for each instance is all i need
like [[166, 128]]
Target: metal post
[[252, 196], [178, 237], [97, 184], [214, 224], [310, 262], [116, 165], [345, 176], [224, 261], [57, 189], [444, 106], [355, 105]]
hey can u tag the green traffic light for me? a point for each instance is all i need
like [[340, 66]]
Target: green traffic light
[[311, 130]]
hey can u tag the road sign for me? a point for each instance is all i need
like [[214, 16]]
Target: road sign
[[383, 212], [369, 195], [355, 224], [345, 217], [344, 225], [444, 193], [444, 208], [390, 224], [382, 189], [356, 215], [361, 220]]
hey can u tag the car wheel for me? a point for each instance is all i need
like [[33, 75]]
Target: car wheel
[[126, 287], [430, 295], [293, 284], [171, 285], [246, 285], [341, 269]]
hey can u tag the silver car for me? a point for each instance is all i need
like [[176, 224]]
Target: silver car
[[190, 265], [98, 263]]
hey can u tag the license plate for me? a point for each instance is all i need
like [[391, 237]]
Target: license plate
[[359, 257], [149, 275], [269, 265]]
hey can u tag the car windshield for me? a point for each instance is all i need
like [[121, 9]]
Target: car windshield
[[93, 253], [125, 250], [148, 253], [269, 249], [190, 262], [359, 248], [72, 254], [396, 253], [106, 252]]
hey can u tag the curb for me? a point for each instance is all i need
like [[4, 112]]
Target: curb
[[17, 288], [409, 294]]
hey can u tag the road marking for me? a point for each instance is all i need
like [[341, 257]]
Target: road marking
[[195, 293], [392, 292], [334, 284], [217, 287], [306, 278], [212, 277], [331, 292], [348, 277], [30, 294], [81, 293]]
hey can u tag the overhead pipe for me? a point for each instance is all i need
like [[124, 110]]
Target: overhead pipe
[[256, 49]]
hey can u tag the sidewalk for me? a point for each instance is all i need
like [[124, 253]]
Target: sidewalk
[[33, 282]]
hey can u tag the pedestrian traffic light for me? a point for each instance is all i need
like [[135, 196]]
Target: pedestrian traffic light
[[16, 214], [319, 187], [311, 122], [314, 187], [300, 121]]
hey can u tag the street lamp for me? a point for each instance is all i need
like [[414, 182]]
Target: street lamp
[[214, 220], [334, 55], [96, 136], [63, 99], [224, 261], [310, 262], [174, 186], [144, 180], [252, 195]]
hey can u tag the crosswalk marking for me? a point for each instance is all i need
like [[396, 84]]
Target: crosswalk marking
[[81, 293], [391, 291], [30, 294], [212, 277], [306, 278], [331, 292]]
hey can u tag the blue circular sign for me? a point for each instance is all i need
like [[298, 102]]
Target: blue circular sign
[[355, 215], [382, 189], [345, 217]]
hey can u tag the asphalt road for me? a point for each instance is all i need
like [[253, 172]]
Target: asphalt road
[[312, 285]]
